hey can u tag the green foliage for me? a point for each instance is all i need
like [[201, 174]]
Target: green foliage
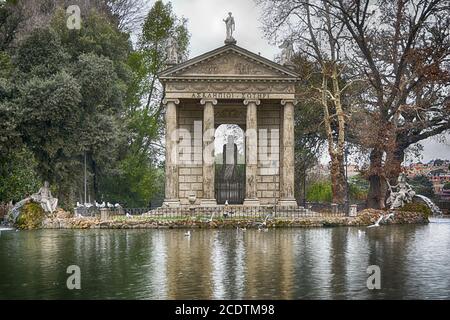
[[136, 183], [422, 185], [6, 66], [358, 188], [319, 191], [417, 207], [40, 54], [49, 114], [30, 217], [18, 176], [67, 93], [10, 18], [447, 186]]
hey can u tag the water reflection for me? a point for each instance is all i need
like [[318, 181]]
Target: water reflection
[[228, 264]]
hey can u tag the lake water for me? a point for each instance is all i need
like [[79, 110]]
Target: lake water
[[316, 263]]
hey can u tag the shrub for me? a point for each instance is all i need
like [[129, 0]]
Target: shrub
[[319, 192], [30, 217]]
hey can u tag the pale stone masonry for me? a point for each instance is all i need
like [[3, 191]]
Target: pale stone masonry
[[229, 85]]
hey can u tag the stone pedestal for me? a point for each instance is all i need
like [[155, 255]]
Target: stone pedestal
[[104, 214], [208, 153], [287, 161], [171, 187], [334, 208], [287, 203], [353, 210], [251, 154]]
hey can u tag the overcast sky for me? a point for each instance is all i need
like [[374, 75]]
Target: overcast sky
[[208, 32]]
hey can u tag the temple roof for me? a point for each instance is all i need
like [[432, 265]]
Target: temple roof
[[229, 62]]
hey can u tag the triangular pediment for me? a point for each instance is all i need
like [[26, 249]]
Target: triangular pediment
[[229, 61]]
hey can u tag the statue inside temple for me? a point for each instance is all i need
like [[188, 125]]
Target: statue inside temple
[[400, 194], [45, 199], [229, 159]]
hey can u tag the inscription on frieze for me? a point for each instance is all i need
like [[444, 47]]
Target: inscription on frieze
[[230, 95], [227, 88]]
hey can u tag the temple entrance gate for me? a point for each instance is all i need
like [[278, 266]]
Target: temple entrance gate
[[229, 164]]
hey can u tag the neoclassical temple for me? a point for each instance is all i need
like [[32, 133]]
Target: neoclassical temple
[[229, 85]]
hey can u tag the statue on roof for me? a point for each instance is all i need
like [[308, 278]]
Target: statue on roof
[[287, 52], [172, 51], [230, 26]]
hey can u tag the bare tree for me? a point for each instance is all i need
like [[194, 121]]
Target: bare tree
[[320, 37], [402, 48]]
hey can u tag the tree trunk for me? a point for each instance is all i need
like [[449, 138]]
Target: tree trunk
[[338, 183], [94, 176], [394, 160], [376, 196]]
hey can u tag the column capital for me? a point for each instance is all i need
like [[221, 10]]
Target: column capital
[[255, 101], [284, 101], [174, 100], [204, 101]]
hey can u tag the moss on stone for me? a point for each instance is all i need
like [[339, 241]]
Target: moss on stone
[[31, 217], [418, 208]]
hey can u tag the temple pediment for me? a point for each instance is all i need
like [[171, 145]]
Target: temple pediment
[[229, 62]]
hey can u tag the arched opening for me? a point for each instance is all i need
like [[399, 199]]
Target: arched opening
[[229, 150]]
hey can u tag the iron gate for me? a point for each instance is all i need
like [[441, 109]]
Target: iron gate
[[230, 188]]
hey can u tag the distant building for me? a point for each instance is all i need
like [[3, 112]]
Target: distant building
[[439, 179], [437, 171], [417, 169]]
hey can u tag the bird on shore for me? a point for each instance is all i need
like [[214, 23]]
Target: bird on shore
[[262, 225], [388, 216], [377, 223], [128, 215], [210, 219]]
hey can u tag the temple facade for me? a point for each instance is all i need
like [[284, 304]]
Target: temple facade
[[229, 85]]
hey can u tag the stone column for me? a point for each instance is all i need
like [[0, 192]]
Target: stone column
[[287, 161], [251, 154], [209, 198], [171, 189]]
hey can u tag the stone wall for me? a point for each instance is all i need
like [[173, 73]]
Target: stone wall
[[190, 170], [268, 178]]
